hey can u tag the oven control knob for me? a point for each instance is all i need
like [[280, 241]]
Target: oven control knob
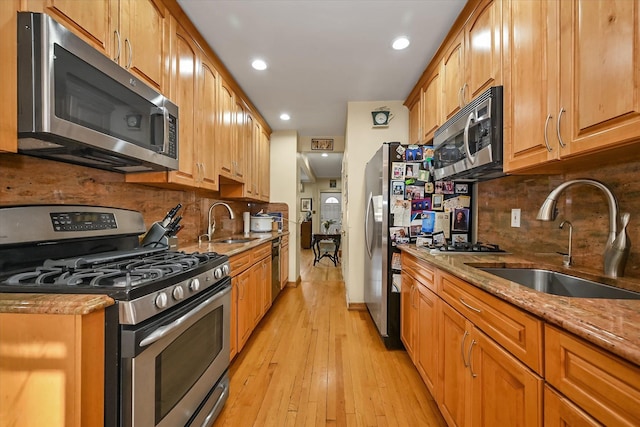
[[194, 285], [225, 269], [178, 293], [161, 300], [217, 273]]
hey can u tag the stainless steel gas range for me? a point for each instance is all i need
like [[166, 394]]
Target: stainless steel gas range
[[167, 337]]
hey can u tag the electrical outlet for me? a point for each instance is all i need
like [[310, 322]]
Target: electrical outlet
[[515, 217]]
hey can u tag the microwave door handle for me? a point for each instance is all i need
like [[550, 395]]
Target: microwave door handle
[[467, 152], [165, 137]]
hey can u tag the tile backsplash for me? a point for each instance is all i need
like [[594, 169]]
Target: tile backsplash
[[584, 206]]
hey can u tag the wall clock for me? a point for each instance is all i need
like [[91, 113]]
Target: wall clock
[[380, 118]]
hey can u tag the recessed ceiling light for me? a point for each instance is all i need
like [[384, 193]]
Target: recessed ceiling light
[[284, 116], [259, 64], [325, 155], [400, 43]]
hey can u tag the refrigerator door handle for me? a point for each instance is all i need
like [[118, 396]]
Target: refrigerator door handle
[[368, 240]]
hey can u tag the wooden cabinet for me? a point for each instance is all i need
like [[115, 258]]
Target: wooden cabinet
[[8, 89], [408, 314], [284, 261], [133, 33], [306, 234], [233, 334], [570, 65], [245, 309], [226, 120], [561, 412], [431, 106], [415, 117], [603, 385], [263, 167], [426, 351], [52, 369], [480, 383], [472, 61]]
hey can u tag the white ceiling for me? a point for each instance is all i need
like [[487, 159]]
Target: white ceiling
[[322, 53]]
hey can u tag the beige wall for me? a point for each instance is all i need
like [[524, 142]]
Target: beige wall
[[361, 142], [284, 189], [312, 190]]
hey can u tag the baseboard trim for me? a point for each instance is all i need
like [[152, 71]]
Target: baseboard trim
[[294, 284], [357, 306]]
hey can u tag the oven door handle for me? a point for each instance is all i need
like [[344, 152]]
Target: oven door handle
[[167, 329]]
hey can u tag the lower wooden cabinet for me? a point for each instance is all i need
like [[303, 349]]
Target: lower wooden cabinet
[[426, 351], [52, 369], [561, 412], [603, 385]]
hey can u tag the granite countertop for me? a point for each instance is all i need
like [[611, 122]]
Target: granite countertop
[[613, 325], [73, 304], [231, 249]]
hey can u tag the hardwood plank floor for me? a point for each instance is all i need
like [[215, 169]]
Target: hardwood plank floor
[[312, 362]]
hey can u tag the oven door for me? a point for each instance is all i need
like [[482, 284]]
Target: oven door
[[171, 365]]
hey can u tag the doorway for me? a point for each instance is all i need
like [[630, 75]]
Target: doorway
[[331, 210]]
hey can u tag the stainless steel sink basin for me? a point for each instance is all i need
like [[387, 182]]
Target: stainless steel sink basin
[[552, 282], [236, 240]]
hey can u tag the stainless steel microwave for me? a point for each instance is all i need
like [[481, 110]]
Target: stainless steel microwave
[[76, 105], [469, 145]]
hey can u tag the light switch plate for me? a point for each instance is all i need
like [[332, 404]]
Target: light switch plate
[[515, 217]]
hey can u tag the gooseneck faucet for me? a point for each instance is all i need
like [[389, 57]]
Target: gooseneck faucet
[[211, 223], [614, 262]]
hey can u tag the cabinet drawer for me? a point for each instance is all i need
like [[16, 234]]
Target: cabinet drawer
[[239, 263], [284, 240], [514, 329], [605, 386], [419, 270], [261, 252]]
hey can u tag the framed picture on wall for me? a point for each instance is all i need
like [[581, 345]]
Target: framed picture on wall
[[305, 205], [324, 144]]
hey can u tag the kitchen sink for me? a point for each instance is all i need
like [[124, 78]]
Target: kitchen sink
[[552, 282], [236, 240]]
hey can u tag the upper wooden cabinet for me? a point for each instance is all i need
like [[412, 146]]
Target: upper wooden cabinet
[[472, 60], [415, 122], [133, 33], [431, 106], [568, 69]]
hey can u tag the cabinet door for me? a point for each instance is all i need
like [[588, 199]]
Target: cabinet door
[[504, 392], [226, 122], [427, 338], [245, 307], [483, 49], [144, 39], [265, 285], [415, 130], [453, 373], [205, 144], [91, 21], [561, 412], [431, 107], [233, 335], [600, 66], [264, 166], [239, 141], [284, 265], [531, 81], [406, 309], [249, 156], [452, 74]]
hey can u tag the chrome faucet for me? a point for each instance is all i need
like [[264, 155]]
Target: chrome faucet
[[211, 224], [614, 262], [566, 258]]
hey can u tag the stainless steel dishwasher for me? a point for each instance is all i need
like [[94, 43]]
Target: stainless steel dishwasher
[[275, 268]]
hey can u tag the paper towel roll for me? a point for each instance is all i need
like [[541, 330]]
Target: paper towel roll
[[246, 217]]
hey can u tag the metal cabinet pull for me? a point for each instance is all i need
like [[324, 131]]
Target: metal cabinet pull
[[477, 310], [464, 337], [546, 137], [117, 57], [127, 42], [464, 91], [473, 374], [562, 144]]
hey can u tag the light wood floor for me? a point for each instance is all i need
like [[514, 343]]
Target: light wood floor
[[312, 362]]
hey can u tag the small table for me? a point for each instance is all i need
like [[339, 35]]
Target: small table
[[318, 255]]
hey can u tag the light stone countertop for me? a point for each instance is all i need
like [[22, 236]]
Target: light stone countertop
[[613, 325], [231, 249]]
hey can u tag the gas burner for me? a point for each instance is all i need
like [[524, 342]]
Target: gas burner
[[466, 247]]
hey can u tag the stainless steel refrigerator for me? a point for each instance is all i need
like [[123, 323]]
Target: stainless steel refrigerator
[[382, 300]]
